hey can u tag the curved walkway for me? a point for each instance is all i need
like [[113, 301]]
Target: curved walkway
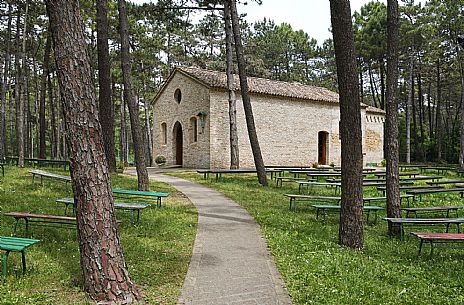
[[230, 262]]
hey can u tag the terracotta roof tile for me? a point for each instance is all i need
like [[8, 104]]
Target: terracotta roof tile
[[218, 79]]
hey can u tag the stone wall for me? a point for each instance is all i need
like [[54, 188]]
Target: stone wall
[[194, 99], [287, 130], [373, 137]]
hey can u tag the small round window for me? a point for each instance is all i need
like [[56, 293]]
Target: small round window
[[178, 95]]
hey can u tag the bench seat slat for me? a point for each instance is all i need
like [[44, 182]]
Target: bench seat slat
[[439, 236]]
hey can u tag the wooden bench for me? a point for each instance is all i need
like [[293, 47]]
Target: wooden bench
[[440, 240], [15, 244], [294, 198], [219, 172], [337, 208], [53, 220], [446, 209], [44, 174], [421, 178], [311, 184], [134, 208], [138, 194], [288, 179], [444, 182], [442, 169], [408, 174], [411, 187], [439, 191], [409, 166], [402, 222]]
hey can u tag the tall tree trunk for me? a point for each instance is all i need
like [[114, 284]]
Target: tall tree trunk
[[361, 80], [139, 147], [382, 84], [408, 109], [351, 214], [43, 85], [54, 121], [438, 129], [19, 60], [255, 148], [106, 109], [233, 136], [4, 87], [391, 121], [414, 122], [373, 88], [105, 273], [123, 132], [421, 154], [461, 153], [429, 110]]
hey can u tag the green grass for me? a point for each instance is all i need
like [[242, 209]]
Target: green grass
[[157, 250], [317, 270]]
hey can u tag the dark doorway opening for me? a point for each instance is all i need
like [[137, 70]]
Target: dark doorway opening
[[179, 143], [323, 152]]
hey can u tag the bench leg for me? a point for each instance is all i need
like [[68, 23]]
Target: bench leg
[[420, 246], [431, 248], [23, 257], [317, 213], [138, 216], [5, 262], [368, 213], [158, 202]]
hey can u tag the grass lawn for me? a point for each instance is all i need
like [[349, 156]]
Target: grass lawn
[[157, 250], [317, 270]]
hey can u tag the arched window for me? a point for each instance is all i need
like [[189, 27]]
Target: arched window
[[163, 134], [193, 129]]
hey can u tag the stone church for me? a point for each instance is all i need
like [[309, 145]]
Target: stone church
[[296, 124]]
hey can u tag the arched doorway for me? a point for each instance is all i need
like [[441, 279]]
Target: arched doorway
[[178, 143], [322, 147]]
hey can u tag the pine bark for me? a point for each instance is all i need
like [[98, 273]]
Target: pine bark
[[105, 273], [43, 93], [351, 214], [391, 120], [233, 136], [137, 136], [106, 105], [438, 124], [4, 87], [408, 110], [255, 148]]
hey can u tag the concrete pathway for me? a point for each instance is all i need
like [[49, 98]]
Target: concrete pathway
[[230, 262]]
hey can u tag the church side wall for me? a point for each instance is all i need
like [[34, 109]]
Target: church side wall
[[287, 130]]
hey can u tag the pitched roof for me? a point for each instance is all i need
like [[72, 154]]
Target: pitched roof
[[216, 79]]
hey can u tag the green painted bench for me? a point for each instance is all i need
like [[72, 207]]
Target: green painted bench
[[440, 191], [294, 198], [436, 209], [383, 189], [402, 222], [143, 194], [440, 240], [134, 208], [444, 182], [44, 174], [15, 244], [337, 208]]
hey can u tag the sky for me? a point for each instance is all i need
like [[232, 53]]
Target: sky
[[311, 16]]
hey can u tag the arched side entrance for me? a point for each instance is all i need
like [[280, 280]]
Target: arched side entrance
[[322, 147], [178, 141]]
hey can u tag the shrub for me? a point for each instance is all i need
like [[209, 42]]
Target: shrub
[[160, 159]]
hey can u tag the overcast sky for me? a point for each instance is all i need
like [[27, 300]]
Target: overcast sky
[[311, 16]]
